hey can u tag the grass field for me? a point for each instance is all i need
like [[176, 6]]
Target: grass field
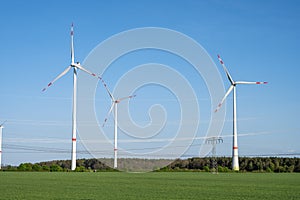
[[168, 185]]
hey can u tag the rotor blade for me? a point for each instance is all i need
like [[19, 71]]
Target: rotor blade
[[250, 82], [58, 77], [123, 98], [225, 96], [225, 69], [109, 93], [3, 123], [72, 43], [111, 108], [87, 71], [95, 75]]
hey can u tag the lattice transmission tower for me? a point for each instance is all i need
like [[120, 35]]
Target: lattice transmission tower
[[214, 141]]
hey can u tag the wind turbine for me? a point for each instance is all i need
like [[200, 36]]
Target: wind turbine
[[1, 127], [75, 67], [114, 106], [235, 158]]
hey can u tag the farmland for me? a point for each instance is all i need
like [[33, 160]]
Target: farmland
[[158, 185]]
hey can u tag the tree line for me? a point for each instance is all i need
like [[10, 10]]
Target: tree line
[[208, 164], [83, 165], [247, 164]]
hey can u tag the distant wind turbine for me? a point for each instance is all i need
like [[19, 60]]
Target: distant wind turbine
[[75, 66], [1, 127], [114, 106], [235, 158]]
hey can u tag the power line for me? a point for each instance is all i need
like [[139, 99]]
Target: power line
[[37, 149]]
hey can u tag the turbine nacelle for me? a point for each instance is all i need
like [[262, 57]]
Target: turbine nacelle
[[75, 64]]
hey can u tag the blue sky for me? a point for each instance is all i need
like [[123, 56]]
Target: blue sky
[[258, 40]]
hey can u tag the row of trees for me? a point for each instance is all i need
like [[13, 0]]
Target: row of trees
[[222, 164], [247, 164], [83, 165]]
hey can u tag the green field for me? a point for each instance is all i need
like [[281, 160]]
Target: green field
[[168, 185]]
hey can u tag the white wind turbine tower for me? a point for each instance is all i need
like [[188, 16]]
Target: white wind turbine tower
[[75, 66], [235, 158], [114, 106], [1, 127]]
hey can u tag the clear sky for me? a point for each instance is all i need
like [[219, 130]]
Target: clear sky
[[258, 40]]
